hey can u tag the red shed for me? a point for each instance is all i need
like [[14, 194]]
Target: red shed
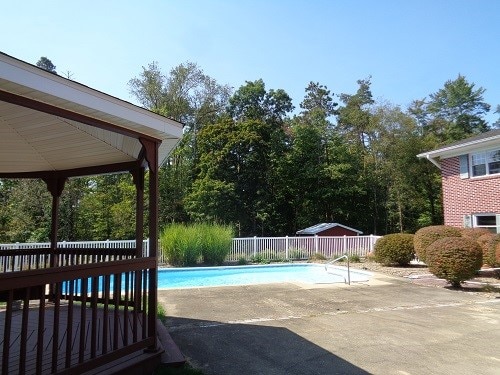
[[329, 229]]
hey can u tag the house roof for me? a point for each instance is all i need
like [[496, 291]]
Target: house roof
[[479, 142], [315, 229], [50, 123]]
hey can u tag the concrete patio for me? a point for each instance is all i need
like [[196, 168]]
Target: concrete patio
[[386, 326]]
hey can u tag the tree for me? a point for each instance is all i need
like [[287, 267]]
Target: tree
[[318, 98], [496, 124], [46, 64], [237, 158], [457, 110], [188, 95], [354, 117], [401, 173]]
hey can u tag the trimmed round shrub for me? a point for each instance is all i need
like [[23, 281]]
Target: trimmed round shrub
[[424, 237], [394, 248], [493, 253], [454, 259], [484, 241], [474, 233]]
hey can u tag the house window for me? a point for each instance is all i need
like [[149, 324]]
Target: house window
[[485, 163], [488, 221]]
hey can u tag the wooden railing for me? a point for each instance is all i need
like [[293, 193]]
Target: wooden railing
[[88, 310], [28, 259]]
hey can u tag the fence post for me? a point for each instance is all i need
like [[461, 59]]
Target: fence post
[[286, 248], [316, 240], [344, 245], [254, 246], [371, 243]]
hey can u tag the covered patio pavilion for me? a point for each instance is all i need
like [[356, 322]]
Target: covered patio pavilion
[[75, 312]]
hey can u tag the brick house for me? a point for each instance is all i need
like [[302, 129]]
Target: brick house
[[470, 173]]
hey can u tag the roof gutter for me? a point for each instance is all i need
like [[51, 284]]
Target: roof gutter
[[433, 161]]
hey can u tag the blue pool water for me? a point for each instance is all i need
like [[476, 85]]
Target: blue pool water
[[262, 274]]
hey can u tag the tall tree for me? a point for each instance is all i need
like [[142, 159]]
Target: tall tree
[[237, 156], [354, 115], [457, 110], [46, 64], [188, 95]]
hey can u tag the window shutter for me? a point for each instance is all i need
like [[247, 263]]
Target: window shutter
[[467, 221], [464, 166], [498, 223]]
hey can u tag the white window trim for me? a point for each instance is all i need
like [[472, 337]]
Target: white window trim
[[496, 226], [486, 151]]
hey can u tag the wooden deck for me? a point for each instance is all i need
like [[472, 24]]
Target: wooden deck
[[112, 331]]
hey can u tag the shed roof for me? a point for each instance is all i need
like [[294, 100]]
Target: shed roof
[[50, 123], [318, 228]]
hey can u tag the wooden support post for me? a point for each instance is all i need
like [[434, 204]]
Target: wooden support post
[[151, 156]]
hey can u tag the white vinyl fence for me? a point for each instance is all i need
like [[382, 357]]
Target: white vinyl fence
[[279, 248], [251, 248]]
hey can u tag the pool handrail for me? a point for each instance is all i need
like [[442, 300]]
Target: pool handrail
[[348, 268]]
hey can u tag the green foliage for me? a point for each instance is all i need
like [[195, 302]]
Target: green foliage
[[317, 257], [180, 245], [457, 110], [186, 245], [242, 261], [424, 237], [394, 248], [454, 259], [296, 254], [354, 258], [259, 258], [216, 241], [46, 64]]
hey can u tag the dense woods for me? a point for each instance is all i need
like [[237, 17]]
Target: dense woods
[[249, 159]]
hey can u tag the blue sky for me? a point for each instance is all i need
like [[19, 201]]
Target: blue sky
[[410, 48]]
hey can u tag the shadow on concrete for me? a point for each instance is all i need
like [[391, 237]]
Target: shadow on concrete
[[221, 348]]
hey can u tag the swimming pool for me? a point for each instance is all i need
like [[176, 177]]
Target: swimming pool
[[261, 274]]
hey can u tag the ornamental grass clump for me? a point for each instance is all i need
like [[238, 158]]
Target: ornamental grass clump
[[187, 245], [180, 245], [424, 237], [216, 241], [396, 248], [454, 259]]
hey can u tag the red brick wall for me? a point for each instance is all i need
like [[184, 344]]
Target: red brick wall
[[337, 231], [467, 196]]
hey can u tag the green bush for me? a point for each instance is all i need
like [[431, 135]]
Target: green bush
[[454, 259], [355, 258], [493, 251], [424, 237], [259, 258], [394, 248], [186, 245]]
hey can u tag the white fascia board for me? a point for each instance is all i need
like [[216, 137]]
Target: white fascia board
[[463, 148], [27, 75]]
